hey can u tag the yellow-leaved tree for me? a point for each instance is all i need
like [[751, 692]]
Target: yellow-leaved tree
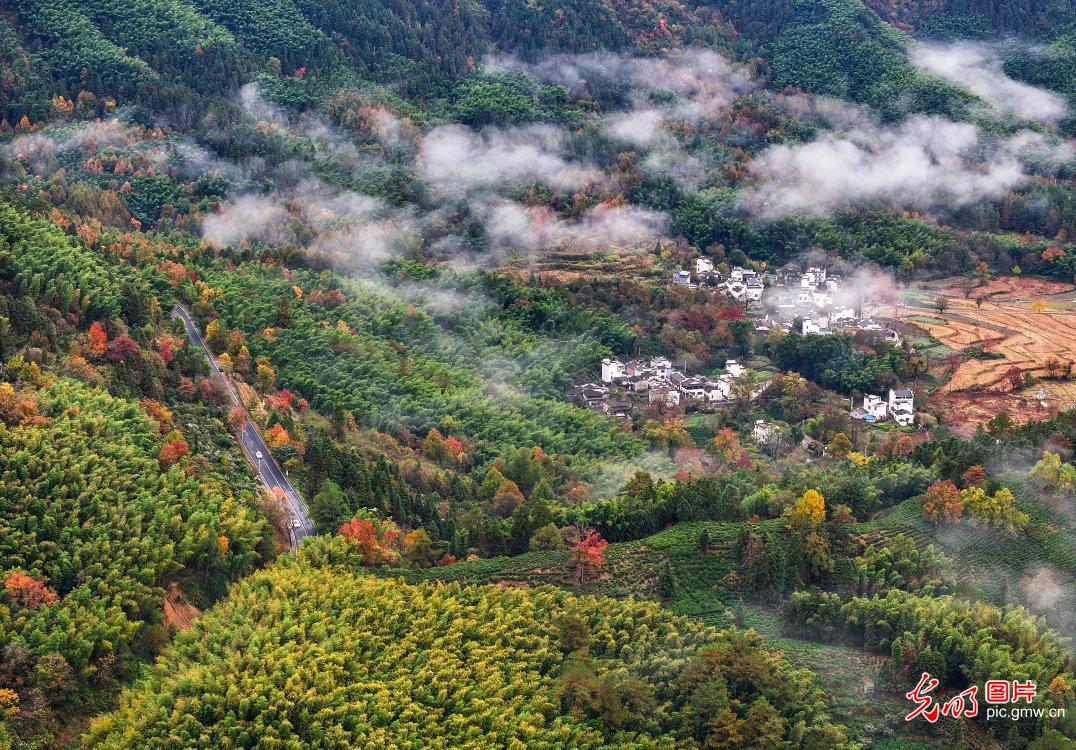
[[810, 510]]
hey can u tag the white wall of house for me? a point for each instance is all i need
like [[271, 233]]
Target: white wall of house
[[612, 369]]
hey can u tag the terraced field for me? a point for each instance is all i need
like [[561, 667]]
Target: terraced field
[[994, 565], [1029, 340], [631, 569]]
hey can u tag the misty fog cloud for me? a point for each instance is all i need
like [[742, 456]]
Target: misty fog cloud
[[705, 82], [642, 128], [37, 151], [977, 67], [456, 159], [620, 225], [690, 86], [260, 108], [251, 218], [354, 229], [926, 163], [510, 226], [1042, 153]]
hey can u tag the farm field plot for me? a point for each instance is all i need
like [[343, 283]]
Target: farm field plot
[[1060, 394], [1028, 340], [1006, 288], [963, 411]]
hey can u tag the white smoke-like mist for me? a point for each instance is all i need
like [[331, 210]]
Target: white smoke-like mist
[[978, 68], [455, 159], [686, 88], [249, 218], [926, 163]]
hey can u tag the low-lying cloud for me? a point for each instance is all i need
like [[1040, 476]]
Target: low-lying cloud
[[454, 159], [978, 68], [926, 163]]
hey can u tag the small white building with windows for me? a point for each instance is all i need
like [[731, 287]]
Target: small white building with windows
[[662, 367], [764, 432], [703, 266], [720, 389], [613, 369], [681, 278], [753, 290], [902, 406], [875, 408]]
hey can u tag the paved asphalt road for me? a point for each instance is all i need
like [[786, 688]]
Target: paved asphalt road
[[256, 449]]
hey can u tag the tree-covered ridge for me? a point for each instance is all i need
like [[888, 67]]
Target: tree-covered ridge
[[388, 362], [96, 514], [957, 641], [45, 263], [193, 48], [310, 654]]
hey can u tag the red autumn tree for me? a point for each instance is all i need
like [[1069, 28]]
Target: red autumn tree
[[368, 541], [123, 348], [1053, 254], [280, 400], [941, 502], [185, 388], [164, 347], [588, 554], [237, 420], [96, 342], [172, 451], [27, 591]]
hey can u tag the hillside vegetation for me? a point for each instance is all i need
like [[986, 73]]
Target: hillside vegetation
[[308, 654]]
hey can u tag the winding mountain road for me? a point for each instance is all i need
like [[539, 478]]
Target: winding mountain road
[[269, 471]]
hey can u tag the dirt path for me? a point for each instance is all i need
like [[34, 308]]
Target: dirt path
[[178, 612]]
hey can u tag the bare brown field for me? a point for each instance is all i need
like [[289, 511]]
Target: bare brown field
[[1004, 289], [178, 612], [963, 411], [1030, 340]]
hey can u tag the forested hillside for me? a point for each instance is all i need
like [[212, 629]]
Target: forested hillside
[[310, 653], [646, 374], [108, 492]]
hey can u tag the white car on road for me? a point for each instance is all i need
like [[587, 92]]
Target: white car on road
[[258, 455]]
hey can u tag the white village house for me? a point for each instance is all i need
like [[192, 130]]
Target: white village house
[[764, 432], [612, 369], [902, 406], [875, 409]]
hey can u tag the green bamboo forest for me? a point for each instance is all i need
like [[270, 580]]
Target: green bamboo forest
[[410, 374]]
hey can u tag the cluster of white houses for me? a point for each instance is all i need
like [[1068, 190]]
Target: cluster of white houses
[[816, 299], [900, 408], [740, 284], [660, 381], [813, 297]]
